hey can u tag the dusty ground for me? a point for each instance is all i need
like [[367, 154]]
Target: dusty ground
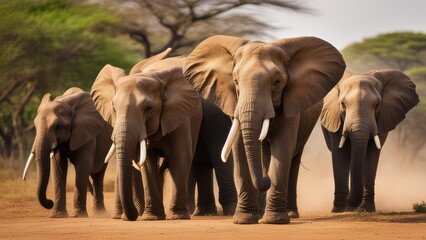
[[28, 220]]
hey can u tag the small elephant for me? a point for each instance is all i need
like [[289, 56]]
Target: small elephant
[[356, 118], [213, 132], [69, 127], [156, 114], [273, 92]]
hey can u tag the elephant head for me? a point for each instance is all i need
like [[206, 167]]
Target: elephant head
[[364, 106], [142, 107], [254, 81], [70, 119]]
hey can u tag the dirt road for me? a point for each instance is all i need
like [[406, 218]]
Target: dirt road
[[28, 220]]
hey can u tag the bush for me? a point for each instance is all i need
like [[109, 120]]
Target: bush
[[420, 207]]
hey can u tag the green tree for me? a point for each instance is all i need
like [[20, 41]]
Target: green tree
[[181, 24], [398, 50], [49, 46]]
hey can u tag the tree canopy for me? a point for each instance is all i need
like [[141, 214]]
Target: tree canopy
[[49, 46], [398, 50], [181, 24]]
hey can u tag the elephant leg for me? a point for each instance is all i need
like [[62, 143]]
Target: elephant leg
[[370, 170], [266, 160], [82, 170], [247, 211], [153, 189], [98, 193], [341, 158], [59, 180], [118, 209], [138, 198], [292, 209], [190, 205], [205, 202]]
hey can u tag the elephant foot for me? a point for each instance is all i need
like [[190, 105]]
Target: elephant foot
[[368, 206], [178, 216], [293, 213], [229, 210], [275, 218], [79, 214], [337, 209], [59, 214], [147, 216], [246, 218], [351, 208], [211, 211]]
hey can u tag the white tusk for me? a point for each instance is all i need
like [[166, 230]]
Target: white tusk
[[135, 165], [30, 159], [52, 153], [377, 141], [142, 156], [342, 141], [230, 140], [110, 153], [264, 131]]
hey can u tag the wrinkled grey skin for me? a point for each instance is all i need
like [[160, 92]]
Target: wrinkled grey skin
[[213, 132], [154, 103], [360, 107], [256, 81], [71, 127]]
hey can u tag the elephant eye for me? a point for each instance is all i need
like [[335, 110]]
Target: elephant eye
[[277, 82], [58, 126], [148, 108]]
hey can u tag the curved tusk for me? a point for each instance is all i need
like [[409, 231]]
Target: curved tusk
[[30, 159], [136, 165], [230, 140], [377, 142], [142, 156], [264, 131], [110, 153], [342, 141]]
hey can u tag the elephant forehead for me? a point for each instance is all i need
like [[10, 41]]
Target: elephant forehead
[[361, 87], [137, 83]]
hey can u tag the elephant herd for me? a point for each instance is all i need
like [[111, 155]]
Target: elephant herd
[[245, 109]]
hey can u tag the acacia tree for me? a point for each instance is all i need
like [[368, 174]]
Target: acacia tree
[[398, 50], [47, 46], [181, 24]]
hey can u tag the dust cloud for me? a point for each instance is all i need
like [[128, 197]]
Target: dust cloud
[[400, 182]]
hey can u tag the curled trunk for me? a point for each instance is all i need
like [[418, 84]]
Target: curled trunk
[[42, 155]]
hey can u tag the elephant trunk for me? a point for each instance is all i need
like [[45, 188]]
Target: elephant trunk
[[42, 155], [251, 124], [359, 143], [126, 141]]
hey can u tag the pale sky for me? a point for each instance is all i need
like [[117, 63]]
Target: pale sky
[[342, 22]]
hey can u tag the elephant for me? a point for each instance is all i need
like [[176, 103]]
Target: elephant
[[214, 129], [69, 127], [356, 118], [273, 92], [156, 114]]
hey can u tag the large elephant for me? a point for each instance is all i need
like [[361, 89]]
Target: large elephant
[[69, 127], [214, 129], [157, 113], [273, 92], [356, 118]]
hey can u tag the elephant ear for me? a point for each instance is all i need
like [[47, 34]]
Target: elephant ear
[[181, 99], [209, 69], [146, 62], [87, 121], [314, 66], [330, 117], [103, 90], [398, 97]]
